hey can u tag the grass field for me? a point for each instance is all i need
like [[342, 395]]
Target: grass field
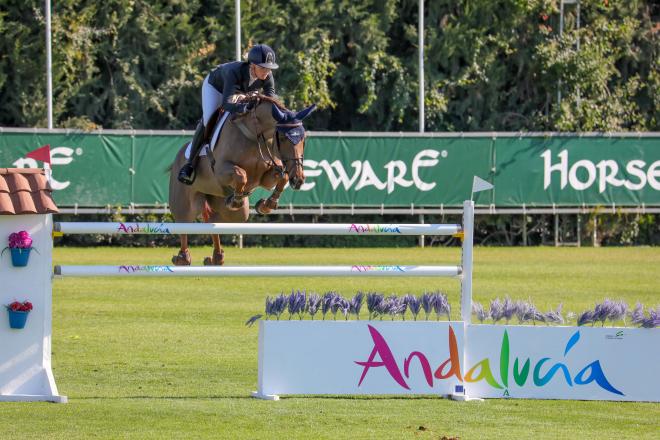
[[171, 358]]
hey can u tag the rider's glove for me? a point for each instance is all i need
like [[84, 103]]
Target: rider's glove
[[242, 108]]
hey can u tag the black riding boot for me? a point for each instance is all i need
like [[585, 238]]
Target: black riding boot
[[187, 173]]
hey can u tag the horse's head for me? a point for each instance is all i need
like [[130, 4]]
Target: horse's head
[[290, 138]]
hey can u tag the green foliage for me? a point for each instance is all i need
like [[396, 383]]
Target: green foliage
[[488, 65]]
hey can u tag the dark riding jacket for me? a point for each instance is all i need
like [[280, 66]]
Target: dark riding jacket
[[232, 78]]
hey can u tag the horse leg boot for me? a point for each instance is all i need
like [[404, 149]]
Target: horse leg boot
[[187, 173]]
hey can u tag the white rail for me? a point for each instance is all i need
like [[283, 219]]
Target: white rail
[[357, 229], [259, 271]]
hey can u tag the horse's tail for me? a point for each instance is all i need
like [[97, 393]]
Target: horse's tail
[[206, 212]]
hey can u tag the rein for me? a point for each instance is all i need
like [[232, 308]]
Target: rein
[[262, 144]]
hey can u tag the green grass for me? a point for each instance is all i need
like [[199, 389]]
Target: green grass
[[171, 358]]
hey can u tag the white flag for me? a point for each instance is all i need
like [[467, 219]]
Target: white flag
[[479, 184]]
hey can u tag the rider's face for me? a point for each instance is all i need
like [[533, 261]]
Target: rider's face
[[260, 72]]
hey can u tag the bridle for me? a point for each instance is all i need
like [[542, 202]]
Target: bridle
[[262, 144]]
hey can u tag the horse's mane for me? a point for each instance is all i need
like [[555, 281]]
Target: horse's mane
[[258, 96]]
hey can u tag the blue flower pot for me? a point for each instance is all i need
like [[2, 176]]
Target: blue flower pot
[[19, 257], [17, 319]]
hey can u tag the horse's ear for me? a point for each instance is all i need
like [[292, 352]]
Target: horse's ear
[[302, 114], [277, 113]]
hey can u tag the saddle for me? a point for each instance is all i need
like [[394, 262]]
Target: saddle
[[211, 133]]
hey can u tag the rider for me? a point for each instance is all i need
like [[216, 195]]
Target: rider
[[219, 88]]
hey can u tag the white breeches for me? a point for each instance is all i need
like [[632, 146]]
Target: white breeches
[[211, 100]]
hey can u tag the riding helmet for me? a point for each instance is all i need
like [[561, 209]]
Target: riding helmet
[[262, 56]]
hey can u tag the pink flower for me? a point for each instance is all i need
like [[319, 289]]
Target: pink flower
[[20, 239]]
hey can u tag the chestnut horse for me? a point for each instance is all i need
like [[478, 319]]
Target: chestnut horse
[[261, 148]]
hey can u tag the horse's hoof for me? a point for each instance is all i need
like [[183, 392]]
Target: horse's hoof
[[261, 207], [182, 258], [218, 259]]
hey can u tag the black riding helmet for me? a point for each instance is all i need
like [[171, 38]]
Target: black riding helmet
[[262, 56]]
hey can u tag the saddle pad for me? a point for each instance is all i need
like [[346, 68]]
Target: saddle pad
[[216, 134]]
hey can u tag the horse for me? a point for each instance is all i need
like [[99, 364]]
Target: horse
[[261, 148]]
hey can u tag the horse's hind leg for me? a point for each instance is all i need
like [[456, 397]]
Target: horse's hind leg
[[185, 210], [221, 213], [183, 257], [218, 258]]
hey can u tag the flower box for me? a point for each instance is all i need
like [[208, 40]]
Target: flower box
[[20, 245], [18, 313]]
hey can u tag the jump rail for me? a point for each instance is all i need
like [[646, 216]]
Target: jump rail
[[462, 271], [259, 271], [257, 228]]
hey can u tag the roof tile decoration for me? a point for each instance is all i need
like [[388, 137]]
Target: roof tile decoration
[[25, 191]]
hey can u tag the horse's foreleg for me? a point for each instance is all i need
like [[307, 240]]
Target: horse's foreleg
[[183, 257], [234, 177], [264, 207]]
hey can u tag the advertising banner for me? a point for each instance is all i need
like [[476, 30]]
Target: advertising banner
[[359, 357], [427, 357], [581, 363], [111, 168]]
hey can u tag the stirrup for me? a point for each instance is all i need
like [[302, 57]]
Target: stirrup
[[187, 174]]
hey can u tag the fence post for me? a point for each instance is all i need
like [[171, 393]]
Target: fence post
[[421, 237], [466, 261]]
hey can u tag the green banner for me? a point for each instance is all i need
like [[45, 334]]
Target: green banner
[[112, 169], [577, 171]]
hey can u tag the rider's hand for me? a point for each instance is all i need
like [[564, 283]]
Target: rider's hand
[[242, 108]]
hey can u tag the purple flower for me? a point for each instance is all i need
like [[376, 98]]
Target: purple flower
[[327, 301], [341, 304], [478, 309], [403, 307], [374, 301], [395, 306], [414, 304], [269, 307], [618, 312], [279, 305], [554, 316], [313, 303], [383, 308], [603, 310], [428, 302], [496, 310], [441, 306], [252, 320], [652, 321], [509, 309], [535, 315], [585, 318], [637, 315], [356, 304], [296, 303], [524, 311], [654, 318]]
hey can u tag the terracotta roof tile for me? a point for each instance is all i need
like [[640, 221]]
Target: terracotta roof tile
[[25, 191]]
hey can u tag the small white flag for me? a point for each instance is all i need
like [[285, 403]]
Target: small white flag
[[479, 184]]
